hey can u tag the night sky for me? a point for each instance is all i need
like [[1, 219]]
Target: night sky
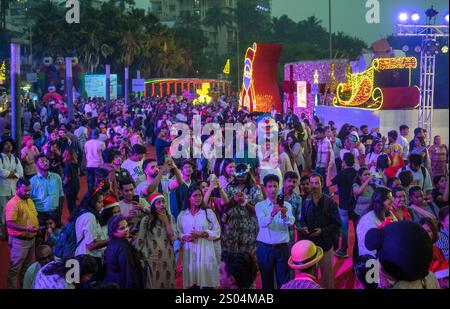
[[351, 21]]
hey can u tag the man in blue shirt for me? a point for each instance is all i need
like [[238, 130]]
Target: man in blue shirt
[[46, 192], [274, 221]]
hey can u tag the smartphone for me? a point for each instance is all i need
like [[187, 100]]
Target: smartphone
[[136, 198], [280, 200], [212, 177]]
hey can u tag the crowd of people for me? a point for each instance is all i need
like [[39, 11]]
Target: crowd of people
[[217, 223]]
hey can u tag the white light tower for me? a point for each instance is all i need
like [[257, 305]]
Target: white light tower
[[430, 35]]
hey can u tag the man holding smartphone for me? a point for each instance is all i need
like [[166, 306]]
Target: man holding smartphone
[[274, 219]]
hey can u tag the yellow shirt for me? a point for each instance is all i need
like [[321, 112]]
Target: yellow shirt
[[23, 213]]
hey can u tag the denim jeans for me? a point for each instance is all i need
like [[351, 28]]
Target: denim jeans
[[273, 259], [90, 178], [344, 214]]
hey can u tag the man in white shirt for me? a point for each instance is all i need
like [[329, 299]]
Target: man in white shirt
[[94, 159], [274, 221], [134, 163], [403, 141]]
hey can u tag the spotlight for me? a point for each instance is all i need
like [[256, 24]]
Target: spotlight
[[446, 18], [415, 17], [444, 49], [418, 49], [403, 17], [405, 48]]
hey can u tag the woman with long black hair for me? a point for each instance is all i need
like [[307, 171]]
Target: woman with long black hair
[[157, 233], [91, 238], [377, 215], [122, 263], [198, 228]]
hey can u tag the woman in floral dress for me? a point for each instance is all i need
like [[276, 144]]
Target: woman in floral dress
[[155, 239]]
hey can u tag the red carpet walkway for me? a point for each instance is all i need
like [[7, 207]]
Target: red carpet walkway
[[344, 278]]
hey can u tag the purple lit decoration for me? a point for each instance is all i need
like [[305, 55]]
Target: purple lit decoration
[[108, 85], [16, 129], [69, 89], [403, 17], [304, 71]]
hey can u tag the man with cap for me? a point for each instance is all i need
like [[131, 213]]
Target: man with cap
[[94, 159], [134, 163], [305, 256]]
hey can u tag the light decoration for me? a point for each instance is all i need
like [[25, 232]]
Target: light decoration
[[2, 73], [226, 69], [203, 94], [382, 64], [316, 77], [360, 92], [247, 97]]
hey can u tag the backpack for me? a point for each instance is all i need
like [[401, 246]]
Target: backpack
[[67, 244]]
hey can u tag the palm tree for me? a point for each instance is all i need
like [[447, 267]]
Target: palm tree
[[217, 18], [130, 48]]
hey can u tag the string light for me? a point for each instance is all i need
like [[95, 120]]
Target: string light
[[3, 73], [359, 91], [382, 64]]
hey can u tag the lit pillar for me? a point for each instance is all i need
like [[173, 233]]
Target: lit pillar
[[153, 90], [126, 86], [69, 89], [108, 86], [16, 127]]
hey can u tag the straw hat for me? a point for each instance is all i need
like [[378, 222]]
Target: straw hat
[[304, 254]]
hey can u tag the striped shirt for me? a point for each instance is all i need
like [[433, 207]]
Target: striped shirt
[[323, 153], [302, 282]]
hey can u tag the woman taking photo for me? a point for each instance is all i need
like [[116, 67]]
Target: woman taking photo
[[122, 264], [198, 228], [378, 215], [245, 183], [363, 190], [240, 226], [155, 239], [226, 171]]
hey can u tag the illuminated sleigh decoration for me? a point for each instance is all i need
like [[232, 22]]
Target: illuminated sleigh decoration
[[360, 91]]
